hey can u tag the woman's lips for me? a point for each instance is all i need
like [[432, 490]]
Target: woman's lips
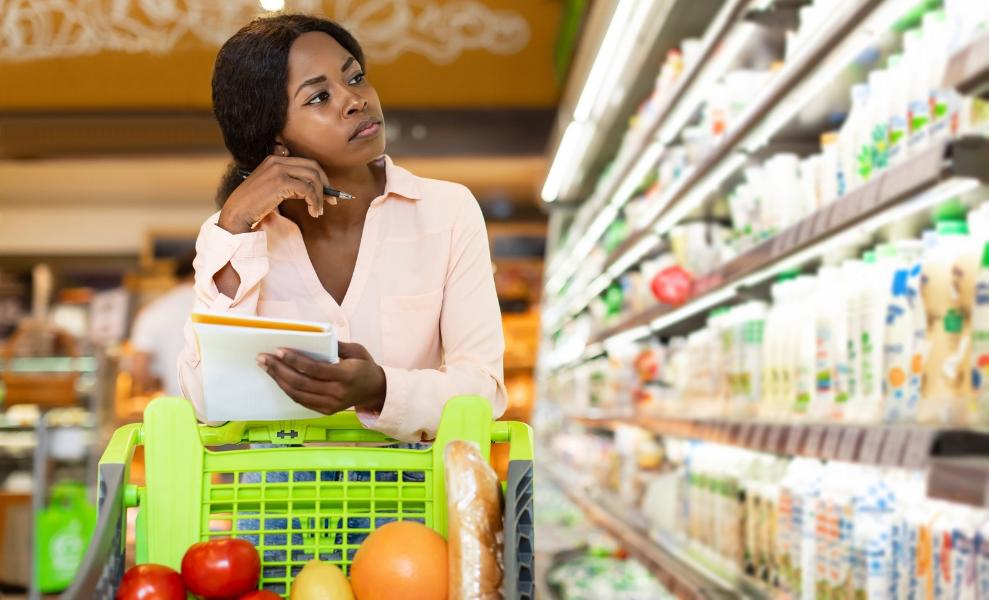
[[369, 131]]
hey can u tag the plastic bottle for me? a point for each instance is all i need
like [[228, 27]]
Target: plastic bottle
[[980, 341], [874, 155], [828, 167], [874, 298], [804, 327], [849, 141], [944, 399], [898, 350], [828, 315], [943, 101], [753, 327], [918, 91], [898, 108], [911, 252], [853, 276]]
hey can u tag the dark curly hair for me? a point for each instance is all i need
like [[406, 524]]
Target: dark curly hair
[[249, 78]]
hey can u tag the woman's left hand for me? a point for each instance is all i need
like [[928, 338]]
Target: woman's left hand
[[356, 381]]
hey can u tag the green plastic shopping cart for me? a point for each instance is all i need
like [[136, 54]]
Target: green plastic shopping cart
[[294, 502]]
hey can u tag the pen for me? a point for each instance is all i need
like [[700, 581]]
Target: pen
[[327, 190]]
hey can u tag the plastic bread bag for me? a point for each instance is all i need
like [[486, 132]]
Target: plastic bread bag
[[474, 516]]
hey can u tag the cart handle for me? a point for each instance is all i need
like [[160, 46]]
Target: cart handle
[[519, 435]]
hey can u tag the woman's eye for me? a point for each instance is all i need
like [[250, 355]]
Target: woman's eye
[[319, 98], [357, 79]]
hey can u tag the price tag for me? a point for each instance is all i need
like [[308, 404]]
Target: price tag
[[746, 435], [918, 450], [896, 441], [807, 229], [832, 438], [759, 438], [850, 441], [812, 446], [872, 445], [820, 223], [774, 439], [794, 440]]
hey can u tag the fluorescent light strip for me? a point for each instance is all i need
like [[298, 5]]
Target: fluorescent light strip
[[572, 140], [637, 174], [862, 232], [603, 61], [693, 308], [609, 93]]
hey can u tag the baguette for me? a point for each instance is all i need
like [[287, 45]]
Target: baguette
[[475, 525]]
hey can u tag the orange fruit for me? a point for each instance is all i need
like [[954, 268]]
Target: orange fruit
[[405, 556]]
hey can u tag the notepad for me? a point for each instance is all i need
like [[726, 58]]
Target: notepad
[[235, 388]]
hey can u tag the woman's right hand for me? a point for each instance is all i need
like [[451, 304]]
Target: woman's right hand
[[277, 178]]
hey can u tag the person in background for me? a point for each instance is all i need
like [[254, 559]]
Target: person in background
[[157, 335]]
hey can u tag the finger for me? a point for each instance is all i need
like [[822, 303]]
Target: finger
[[281, 372], [327, 405], [296, 188], [303, 363], [352, 350], [307, 163], [311, 179]]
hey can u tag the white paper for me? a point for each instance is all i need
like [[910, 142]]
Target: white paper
[[235, 388]]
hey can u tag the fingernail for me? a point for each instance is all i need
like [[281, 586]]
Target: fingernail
[[321, 210], [280, 353], [333, 201], [262, 361]]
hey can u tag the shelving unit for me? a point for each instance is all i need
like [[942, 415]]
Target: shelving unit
[[917, 183], [606, 201], [669, 561], [829, 51], [968, 70], [785, 116], [909, 447]]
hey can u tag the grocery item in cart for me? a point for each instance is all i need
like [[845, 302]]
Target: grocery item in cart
[[473, 499]]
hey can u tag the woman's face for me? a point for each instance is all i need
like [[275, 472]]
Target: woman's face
[[334, 115]]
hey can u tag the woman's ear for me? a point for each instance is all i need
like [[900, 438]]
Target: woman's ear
[[280, 148]]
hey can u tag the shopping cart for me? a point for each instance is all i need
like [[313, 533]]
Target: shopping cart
[[295, 503]]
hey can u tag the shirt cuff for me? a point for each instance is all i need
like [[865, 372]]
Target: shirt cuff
[[247, 252], [389, 420]]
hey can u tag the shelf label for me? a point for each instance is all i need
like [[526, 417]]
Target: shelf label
[[918, 450], [812, 446], [896, 441], [794, 440], [832, 438], [872, 445], [850, 440], [745, 435], [774, 439]]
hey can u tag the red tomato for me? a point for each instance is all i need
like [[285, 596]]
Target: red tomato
[[151, 582], [261, 595], [221, 568]]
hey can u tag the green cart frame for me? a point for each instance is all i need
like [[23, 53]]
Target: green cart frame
[[294, 502]]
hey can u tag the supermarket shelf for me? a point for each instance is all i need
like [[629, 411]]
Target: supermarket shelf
[[890, 190], [683, 576], [602, 203], [722, 160], [964, 480], [968, 70], [906, 446]]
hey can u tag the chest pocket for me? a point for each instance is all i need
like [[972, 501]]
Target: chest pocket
[[410, 330]]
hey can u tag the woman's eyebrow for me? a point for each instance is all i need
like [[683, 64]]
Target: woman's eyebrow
[[310, 81], [347, 63]]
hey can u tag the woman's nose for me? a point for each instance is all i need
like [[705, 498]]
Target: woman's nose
[[354, 105]]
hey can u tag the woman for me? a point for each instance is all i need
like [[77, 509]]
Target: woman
[[402, 271]]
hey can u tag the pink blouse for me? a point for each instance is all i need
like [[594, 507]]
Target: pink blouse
[[422, 298]]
